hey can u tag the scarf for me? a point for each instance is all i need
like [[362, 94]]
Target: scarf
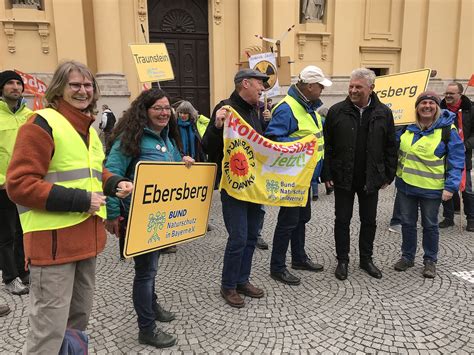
[[187, 136], [454, 108]]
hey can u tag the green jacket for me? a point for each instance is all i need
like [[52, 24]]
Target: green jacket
[[9, 124]]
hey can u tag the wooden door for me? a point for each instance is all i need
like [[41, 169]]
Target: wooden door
[[182, 25]]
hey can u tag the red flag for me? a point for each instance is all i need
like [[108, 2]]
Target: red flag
[[34, 86], [462, 185], [471, 81]]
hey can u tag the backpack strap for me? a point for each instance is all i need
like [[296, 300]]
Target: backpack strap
[[446, 135]]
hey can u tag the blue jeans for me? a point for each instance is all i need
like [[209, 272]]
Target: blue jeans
[[467, 199], [396, 216], [314, 185], [429, 220], [144, 297], [242, 220], [291, 226], [260, 227]]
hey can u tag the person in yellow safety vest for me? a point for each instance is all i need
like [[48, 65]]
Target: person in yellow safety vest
[[57, 179], [295, 117], [13, 114], [201, 123], [430, 164]]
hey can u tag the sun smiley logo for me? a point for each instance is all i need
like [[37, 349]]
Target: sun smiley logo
[[239, 164]]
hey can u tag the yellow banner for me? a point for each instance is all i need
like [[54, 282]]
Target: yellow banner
[[258, 170], [152, 61], [399, 93], [170, 204]]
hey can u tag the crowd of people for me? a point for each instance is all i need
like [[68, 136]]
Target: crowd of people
[[57, 185]]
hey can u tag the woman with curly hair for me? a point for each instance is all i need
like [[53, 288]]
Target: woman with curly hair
[[147, 131]]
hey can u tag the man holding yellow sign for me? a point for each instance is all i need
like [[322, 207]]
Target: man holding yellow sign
[[293, 118], [242, 218]]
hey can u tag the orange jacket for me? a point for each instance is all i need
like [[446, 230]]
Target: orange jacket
[[25, 186]]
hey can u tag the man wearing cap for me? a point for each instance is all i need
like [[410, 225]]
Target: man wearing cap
[[13, 114], [461, 106], [242, 218], [431, 159], [293, 118], [360, 158]]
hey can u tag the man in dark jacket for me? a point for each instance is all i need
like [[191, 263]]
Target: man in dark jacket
[[360, 158], [242, 218], [460, 104]]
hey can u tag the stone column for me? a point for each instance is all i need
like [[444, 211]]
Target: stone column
[[107, 36], [69, 30], [250, 23], [108, 46]]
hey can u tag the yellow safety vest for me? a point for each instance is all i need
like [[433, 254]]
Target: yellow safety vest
[[306, 124], [73, 165], [417, 163], [201, 124]]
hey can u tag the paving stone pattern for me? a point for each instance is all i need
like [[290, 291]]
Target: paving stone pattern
[[401, 313]]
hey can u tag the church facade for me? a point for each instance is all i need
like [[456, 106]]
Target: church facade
[[208, 40]]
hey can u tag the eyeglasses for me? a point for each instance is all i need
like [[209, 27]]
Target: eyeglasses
[[77, 86], [451, 93], [161, 109]]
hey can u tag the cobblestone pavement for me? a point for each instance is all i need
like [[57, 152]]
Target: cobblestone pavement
[[401, 313]]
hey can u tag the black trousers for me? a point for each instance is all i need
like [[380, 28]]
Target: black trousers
[[368, 213], [12, 256]]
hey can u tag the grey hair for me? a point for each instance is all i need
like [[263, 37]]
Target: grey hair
[[60, 79], [187, 107], [364, 73]]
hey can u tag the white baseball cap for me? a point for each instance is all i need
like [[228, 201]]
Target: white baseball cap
[[312, 74]]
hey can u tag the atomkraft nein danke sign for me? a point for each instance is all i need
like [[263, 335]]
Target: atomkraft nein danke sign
[[399, 93], [152, 62], [170, 205]]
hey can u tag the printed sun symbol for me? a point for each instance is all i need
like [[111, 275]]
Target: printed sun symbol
[[239, 164]]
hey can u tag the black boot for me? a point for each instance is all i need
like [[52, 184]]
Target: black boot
[[157, 338], [163, 315], [446, 223]]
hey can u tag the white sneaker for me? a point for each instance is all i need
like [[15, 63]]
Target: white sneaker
[[16, 287], [397, 228]]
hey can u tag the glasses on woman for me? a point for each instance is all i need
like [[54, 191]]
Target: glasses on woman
[[160, 109], [77, 86]]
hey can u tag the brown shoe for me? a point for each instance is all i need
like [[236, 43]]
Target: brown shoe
[[232, 298], [250, 290]]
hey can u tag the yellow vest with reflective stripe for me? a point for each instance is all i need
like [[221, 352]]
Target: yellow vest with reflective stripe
[[417, 163], [73, 165], [306, 124]]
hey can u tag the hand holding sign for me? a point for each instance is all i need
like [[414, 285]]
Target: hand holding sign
[[124, 188], [221, 115]]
